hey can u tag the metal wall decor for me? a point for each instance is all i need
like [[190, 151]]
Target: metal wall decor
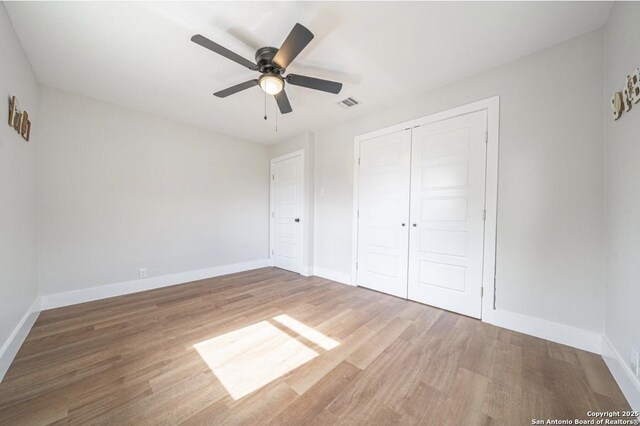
[[623, 101], [19, 120]]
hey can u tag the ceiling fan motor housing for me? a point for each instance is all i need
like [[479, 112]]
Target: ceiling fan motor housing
[[264, 60]]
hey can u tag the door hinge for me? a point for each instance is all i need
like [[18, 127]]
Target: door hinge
[[358, 213], [358, 161], [272, 251], [484, 214], [494, 291], [481, 291], [356, 266], [273, 214], [486, 137], [273, 177]]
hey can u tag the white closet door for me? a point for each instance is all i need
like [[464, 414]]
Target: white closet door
[[383, 237], [447, 213], [287, 205]]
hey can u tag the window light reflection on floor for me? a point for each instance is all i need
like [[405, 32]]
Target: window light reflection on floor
[[246, 359], [309, 333]]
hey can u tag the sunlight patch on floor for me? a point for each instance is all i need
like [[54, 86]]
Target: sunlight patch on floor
[[309, 333], [246, 359]]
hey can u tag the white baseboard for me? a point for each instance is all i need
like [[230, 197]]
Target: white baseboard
[[560, 333], [306, 271], [629, 384], [12, 345], [67, 298], [341, 277]]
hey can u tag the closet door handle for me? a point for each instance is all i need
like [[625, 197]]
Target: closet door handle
[[297, 219], [415, 225], [404, 224]]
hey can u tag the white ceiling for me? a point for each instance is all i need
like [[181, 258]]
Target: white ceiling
[[139, 54]]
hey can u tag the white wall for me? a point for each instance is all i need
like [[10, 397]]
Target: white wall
[[550, 215], [622, 184], [18, 253], [305, 141], [120, 190]]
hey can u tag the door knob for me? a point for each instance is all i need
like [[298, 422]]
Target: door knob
[[297, 219], [415, 225], [403, 224]]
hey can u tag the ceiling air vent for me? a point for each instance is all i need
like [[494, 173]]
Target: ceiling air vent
[[350, 102]]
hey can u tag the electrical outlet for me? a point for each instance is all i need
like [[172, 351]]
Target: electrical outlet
[[635, 361], [143, 273]]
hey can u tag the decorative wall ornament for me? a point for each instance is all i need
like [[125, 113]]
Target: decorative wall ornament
[[25, 129], [19, 120], [12, 108], [623, 101]]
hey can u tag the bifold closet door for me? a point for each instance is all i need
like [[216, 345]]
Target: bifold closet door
[[447, 213], [383, 224]]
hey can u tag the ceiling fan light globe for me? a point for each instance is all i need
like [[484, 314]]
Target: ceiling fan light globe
[[271, 84]]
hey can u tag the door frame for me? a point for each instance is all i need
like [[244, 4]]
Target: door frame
[[492, 106], [303, 238]]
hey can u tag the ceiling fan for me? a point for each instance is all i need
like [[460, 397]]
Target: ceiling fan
[[272, 64]]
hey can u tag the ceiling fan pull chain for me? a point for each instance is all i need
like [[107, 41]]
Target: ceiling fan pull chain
[[265, 105]]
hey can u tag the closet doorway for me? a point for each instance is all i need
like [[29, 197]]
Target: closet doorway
[[421, 211]]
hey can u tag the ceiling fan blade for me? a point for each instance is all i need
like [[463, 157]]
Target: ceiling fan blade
[[295, 42], [283, 102], [314, 83], [215, 47], [237, 88]]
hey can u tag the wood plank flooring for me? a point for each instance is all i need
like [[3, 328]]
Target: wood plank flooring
[[373, 360]]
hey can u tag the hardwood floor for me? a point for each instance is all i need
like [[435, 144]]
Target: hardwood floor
[[193, 353]]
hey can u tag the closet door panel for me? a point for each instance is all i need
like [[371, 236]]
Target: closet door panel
[[447, 206], [383, 223]]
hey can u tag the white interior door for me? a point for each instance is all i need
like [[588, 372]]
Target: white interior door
[[287, 198], [447, 213], [383, 224]]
